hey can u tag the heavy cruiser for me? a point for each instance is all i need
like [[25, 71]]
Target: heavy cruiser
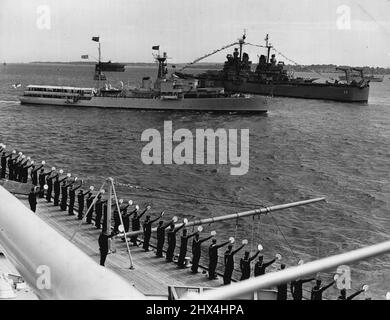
[[270, 78], [167, 93]]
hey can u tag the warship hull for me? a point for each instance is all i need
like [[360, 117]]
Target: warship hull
[[239, 104], [320, 91]]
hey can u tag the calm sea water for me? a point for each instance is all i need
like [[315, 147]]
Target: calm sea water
[[300, 150]]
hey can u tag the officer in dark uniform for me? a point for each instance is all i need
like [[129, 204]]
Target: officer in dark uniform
[[171, 237], [147, 228], [260, 266], [317, 291], [161, 237], [72, 197], [90, 208], [245, 265], [103, 246], [34, 174], [296, 288], [80, 203], [183, 248], [32, 199], [229, 263], [282, 288], [136, 225], [213, 257], [196, 251]]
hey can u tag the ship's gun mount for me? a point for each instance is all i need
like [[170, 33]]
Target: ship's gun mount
[[347, 71], [360, 71]]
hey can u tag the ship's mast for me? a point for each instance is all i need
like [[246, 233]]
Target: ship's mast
[[268, 46], [99, 63], [241, 43], [162, 65]]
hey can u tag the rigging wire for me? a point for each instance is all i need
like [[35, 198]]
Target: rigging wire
[[208, 55], [285, 239], [230, 202]]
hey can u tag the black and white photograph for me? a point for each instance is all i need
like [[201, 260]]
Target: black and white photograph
[[201, 151]]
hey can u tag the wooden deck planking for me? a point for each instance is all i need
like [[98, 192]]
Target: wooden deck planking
[[151, 275]]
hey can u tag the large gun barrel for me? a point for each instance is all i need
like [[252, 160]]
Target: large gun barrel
[[233, 216]]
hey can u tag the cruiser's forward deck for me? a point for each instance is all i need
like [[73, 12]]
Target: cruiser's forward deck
[[151, 275]]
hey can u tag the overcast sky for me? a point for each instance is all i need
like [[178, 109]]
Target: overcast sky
[[307, 31]]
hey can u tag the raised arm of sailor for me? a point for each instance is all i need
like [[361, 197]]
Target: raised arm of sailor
[[235, 251], [205, 239], [254, 256], [222, 245], [269, 263], [179, 228], [355, 294], [327, 286]]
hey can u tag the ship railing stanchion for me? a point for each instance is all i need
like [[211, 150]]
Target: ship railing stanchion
[[120, 217]]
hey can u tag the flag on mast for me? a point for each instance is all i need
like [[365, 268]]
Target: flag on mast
[[95, 39], [156, 48]]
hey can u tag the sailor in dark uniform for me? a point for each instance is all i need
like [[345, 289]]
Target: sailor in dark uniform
[[49, 182], [18, 168], [11, 169], [317, 290], [57, 189], [196, 251], [147, 228], [99, 211], [161, 237], [229, 263], [171, 237], [34, 174], [72, 197], [260, 266], [42, 182], [213, 257], [64, 194], [245, 265], [90, 208], [105, 208], [126, 217], [25, 168], [183, 247], [103, 246], [136, 225], [282, 288], [296, 288], [32, 199], [80, 203], [117, 219], [3, 165]]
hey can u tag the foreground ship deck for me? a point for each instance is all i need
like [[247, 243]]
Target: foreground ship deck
[[151, 275]]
